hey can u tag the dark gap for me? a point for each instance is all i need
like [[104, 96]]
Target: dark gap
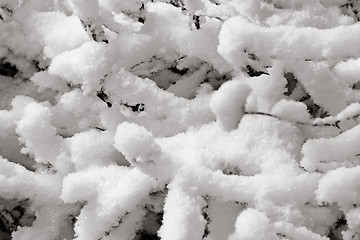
[[96, 33], [7, 69], [252, 72], [196, 19], [135, 108], [7, 10], [214, 2], [181, 72], [178, 4], [103, 97], [142, 7], [244, 204], [316, 111], [215, 79], [339, 226], [146, 236], [206, 217], [14, 214], [206, 230], [305, 98], [141, 19], [356, 86], [291, 83], [7, 223], [229, 170], [100, 129], [253, 57], [151, 224]]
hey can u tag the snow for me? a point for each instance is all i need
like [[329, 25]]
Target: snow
[[135, 142], [58, 32], [83, 65], [44, 80], [82, 9], [323, 86], [291, 110], [252, 224], [296, 232], [116, 6], [350, 112], [313, 14], [238, 35], [353, 218], [78, 106], [298, 3], [348, 71], [183, 218], [327, 154], [110, 191], [204, 119], [340, 186], [267, 89], [18, 182], [45, 147], [58, 214], [187, 86], [164, 113], [91, 147], [228, 103]]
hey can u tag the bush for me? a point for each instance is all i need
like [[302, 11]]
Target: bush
[[177, 120]]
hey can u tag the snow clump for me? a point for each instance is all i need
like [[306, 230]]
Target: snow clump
[[181, 119]]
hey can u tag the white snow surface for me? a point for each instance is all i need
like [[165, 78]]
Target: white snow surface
[[178, 120]]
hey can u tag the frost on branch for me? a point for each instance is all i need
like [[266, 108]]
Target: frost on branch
[[179, 119]]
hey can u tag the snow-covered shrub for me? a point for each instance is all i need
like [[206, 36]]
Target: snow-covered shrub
[[179, 119]]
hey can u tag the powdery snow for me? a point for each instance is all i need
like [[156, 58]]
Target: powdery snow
[[252, 224], [239, 36], [228, 103], [179, 120], [326, 154], [55, 29], [340, 186]]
